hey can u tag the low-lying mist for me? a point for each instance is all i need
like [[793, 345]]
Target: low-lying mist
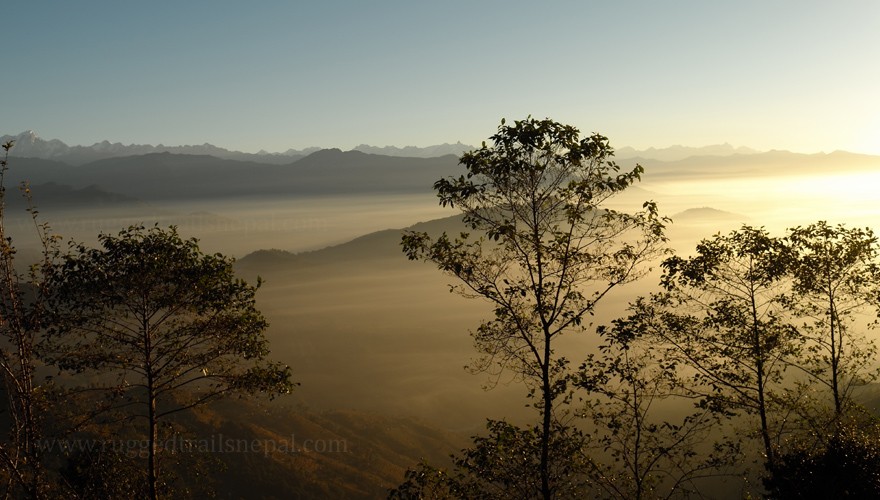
[[364, 328], [237, 226]]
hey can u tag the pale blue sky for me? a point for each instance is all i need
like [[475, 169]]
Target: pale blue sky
[[798, 75]]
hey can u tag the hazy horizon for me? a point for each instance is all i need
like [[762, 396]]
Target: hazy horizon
[[396, 149], [770, 194]]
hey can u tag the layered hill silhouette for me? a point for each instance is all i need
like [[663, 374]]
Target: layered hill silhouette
[[56, 195], [158, 176], [714, 160], [30, 145], [373, 247]]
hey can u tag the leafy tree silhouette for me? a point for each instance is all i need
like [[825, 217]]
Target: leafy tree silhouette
[[172, 327], [549, 251]]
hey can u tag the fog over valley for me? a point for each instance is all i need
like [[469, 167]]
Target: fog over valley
[[440, 250], [361, 325], [370, 336]]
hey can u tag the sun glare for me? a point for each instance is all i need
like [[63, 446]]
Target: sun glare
[[782, 202], [869, 139]]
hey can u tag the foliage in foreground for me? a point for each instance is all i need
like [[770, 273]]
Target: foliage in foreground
[[23, 316], [502, 465], [842, 464]]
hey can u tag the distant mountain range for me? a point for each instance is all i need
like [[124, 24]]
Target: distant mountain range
[[30, 145], [675, 153], [415, 152], [159, 176]]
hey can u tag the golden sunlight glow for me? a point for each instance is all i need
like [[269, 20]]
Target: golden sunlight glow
[[781, 202], [869, 139]]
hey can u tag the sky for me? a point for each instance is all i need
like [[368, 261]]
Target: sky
[[273, 75]]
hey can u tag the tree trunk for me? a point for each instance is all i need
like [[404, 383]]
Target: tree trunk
[[836, 341], [547, 414], [152, 469], [152, 416], [759, 369]]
